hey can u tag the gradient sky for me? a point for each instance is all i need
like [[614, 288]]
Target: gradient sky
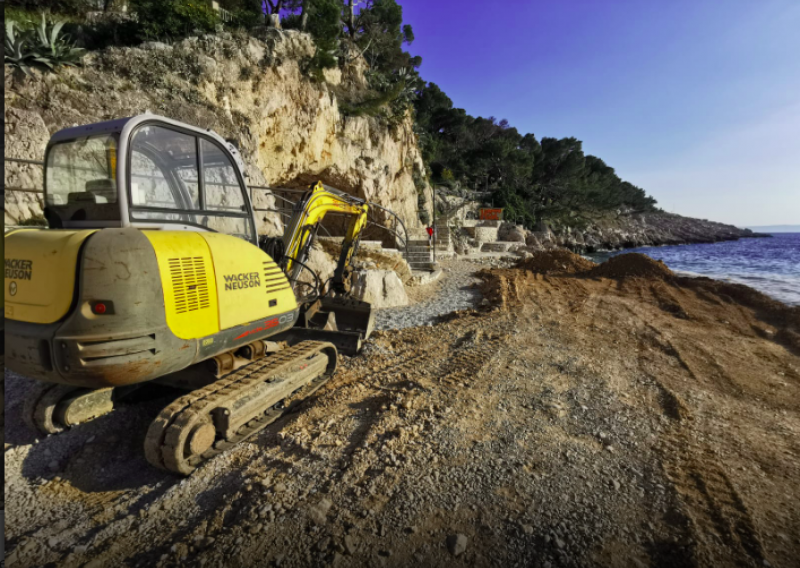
[[697, 102]]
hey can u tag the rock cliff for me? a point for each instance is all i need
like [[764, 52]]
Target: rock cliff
[[290, 128]]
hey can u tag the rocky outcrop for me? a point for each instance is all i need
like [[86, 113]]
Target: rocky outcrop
[[290, 129], [640, 230]]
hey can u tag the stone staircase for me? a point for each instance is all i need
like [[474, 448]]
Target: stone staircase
[[444, 241], [419, 255]]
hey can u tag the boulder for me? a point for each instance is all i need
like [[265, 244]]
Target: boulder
[[532, 241], [509, 232], [320, 262], [381, 288], [456, 544]]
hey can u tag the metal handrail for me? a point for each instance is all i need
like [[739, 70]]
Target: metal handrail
[[401, 240], [22, 189], [23, 161]]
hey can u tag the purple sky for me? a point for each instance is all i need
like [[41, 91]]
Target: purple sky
[[696, 101]]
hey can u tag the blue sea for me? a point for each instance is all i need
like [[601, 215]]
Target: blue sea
[[770, 265]]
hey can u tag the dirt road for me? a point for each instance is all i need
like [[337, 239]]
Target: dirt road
[[576, 421]]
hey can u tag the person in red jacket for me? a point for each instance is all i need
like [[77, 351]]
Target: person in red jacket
[[430, 235]]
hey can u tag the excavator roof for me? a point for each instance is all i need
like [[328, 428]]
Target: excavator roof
[[106, 127], [121, 125]]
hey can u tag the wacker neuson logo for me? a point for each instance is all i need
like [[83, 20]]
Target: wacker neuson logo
[[19, 269], [242, 280]]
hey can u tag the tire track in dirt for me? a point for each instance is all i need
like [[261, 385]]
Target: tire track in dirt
[[706, 494]]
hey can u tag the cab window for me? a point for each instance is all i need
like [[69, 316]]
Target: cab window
[[181, 178], [80, 180]]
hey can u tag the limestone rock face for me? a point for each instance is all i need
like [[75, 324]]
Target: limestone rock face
[[381, 288], [26, 137], [290, 129]]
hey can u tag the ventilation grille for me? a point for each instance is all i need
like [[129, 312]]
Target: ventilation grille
[[274, 278], [189, 283]]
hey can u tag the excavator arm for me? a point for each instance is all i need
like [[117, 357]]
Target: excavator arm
[[332, 315], [304, 224]]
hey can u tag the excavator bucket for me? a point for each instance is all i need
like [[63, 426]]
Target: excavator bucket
[[343, 321], [351, 315]]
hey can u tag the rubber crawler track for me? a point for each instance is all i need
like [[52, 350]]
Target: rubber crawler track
[[166, 437]]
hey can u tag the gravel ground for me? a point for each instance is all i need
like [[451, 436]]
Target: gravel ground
[[456, 290], [566, 423]]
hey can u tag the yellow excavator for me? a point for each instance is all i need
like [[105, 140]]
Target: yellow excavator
[[152, 270]]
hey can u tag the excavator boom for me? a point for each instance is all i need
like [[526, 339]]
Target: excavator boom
[[354, 319]]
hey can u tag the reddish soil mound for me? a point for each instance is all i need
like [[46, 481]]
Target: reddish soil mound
[[632, 265], [556, 262]]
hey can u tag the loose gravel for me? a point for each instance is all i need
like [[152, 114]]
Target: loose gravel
[[572, 422], [456, 290]]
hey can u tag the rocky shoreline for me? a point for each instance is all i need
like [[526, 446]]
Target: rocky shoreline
[[646, 229], [610, 233]]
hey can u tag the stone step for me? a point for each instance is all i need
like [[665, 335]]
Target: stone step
[[495, 247]]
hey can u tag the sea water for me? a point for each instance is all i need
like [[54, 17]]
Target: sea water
[[770, 265]]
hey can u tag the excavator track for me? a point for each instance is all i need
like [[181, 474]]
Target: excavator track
[[210, 420], [39, 408]]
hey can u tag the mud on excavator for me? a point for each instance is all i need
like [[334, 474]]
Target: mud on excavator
[[152, 270]]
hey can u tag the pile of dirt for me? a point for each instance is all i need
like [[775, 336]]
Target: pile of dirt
[[558, 261], [632, 265]]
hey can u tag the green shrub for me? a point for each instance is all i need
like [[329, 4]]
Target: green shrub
[[324, 25], [106, 32], [173, 19], [41, 47]]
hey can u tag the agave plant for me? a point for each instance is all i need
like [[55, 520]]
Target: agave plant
[[17, 47], [43, 47], [53, 49]]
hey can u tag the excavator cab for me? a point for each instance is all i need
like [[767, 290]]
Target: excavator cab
[[147, 172]]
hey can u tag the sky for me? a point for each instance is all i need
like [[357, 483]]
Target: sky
[[695, 101]]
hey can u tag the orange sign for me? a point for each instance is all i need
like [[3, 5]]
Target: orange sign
[[491, 214]]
